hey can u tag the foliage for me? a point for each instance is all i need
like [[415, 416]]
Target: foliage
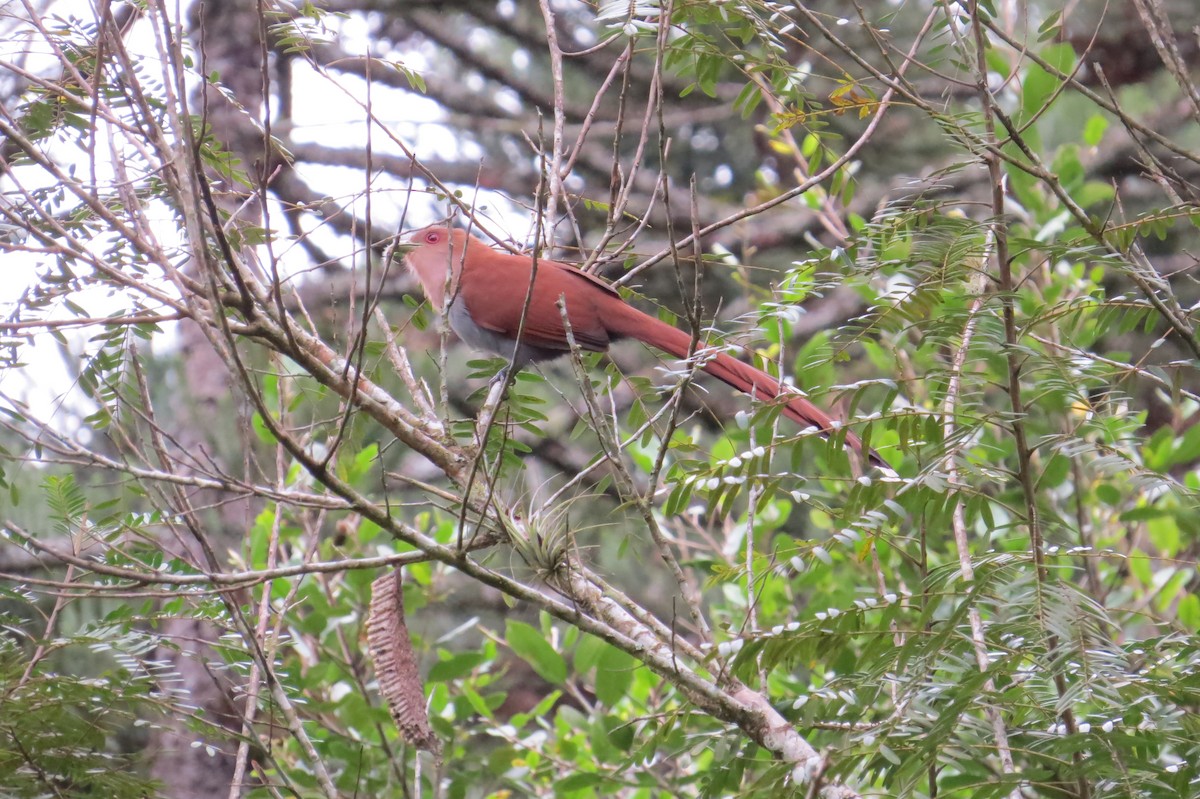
[[670, 606], [70, 733]]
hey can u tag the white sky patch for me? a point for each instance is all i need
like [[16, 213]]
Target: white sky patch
[[330, 109]]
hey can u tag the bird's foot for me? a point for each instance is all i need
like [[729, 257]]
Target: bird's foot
[[500, 377]]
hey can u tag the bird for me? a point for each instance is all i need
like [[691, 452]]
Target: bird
[[483, 293]]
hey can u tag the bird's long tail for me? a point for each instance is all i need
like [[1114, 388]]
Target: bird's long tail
[[632, 323]]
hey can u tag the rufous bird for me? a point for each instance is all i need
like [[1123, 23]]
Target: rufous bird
[[487, 291]]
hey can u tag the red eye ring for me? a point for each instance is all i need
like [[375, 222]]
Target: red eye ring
[[432, 237]]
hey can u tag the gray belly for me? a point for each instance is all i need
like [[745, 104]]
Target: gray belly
[[490, 341]]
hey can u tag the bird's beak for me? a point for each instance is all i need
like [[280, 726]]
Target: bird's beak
[[404, 242], [401, 248]]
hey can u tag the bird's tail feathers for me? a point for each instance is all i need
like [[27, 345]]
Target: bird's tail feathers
[[632, 323]]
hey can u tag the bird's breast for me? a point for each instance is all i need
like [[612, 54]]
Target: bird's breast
[[487, 340]]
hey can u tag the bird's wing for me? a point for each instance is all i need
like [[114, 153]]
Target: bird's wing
[[494, 287]]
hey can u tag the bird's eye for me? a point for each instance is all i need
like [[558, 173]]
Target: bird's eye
[[432, 237]]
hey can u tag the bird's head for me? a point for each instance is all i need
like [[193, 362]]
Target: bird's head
[[435, 255]]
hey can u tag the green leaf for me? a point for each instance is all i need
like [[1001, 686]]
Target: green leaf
[[529, 644], [1172, 586], [1189, 612], [588, 652], [1068, 167], [614, 675], [477, 702], [1139, 566], [1094, 192], [1049, 28], [997, 61], [1108, 494], [1040, 84], [1094, 130], [455, 667], [1164, 532], [1188, 448], [578, 782]]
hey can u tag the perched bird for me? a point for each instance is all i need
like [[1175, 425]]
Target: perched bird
[[486, 292]]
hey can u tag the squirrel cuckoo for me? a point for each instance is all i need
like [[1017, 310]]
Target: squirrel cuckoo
[[487, 291]]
